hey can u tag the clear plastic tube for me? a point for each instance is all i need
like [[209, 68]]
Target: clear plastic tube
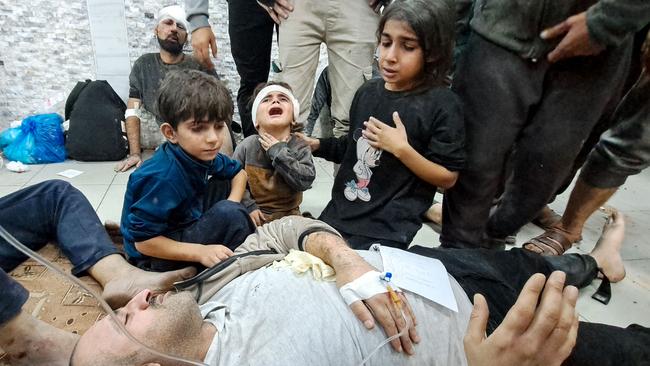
[[388, 340], [19, 246]]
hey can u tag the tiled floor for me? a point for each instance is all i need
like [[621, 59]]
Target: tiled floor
[[631, 297]]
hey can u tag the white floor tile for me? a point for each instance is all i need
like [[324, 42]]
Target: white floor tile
[[93, 173], [9, 178], [122, 177], [427, 236], [111, 206], [315, 199], [630, 298], [5, 190], [94, 192]]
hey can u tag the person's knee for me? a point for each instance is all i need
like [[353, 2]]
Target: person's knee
[[55, 185], [227, 208]]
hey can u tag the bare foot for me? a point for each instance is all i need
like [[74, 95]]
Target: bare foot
[[29, 341], [607, 251], [119, 291], [434, 213]]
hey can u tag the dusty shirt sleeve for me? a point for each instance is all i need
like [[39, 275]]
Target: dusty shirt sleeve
[[135, 82], [611, 21], [197, 13], [284, 234], [294, 164]]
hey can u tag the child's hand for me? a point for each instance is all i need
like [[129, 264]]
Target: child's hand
[[313, 143], [268, 140], [382, 136], [258, 217], [212, 254]]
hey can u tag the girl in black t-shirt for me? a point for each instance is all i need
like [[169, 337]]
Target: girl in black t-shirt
[[406, 131]]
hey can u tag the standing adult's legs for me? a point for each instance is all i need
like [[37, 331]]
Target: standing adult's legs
[[497, 89], [622, 151], [251, 37], [351, 44], [299, 46], [576, 92]]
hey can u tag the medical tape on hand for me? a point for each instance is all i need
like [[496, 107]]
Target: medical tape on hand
[[364, 287]]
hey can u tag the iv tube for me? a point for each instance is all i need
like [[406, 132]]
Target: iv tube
[[19, 246], [389, 339]]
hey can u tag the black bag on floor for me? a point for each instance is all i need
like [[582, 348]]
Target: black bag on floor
[[95, 113]]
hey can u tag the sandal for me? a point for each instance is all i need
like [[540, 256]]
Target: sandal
[[551, 242]]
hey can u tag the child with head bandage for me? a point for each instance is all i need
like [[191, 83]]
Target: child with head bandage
[[279, 165]]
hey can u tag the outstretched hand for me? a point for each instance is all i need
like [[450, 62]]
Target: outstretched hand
[[258, 217], [133, 160], [210, 255], [204, 43], [530, 334], [313, 143], [385, 137], [576, 40]]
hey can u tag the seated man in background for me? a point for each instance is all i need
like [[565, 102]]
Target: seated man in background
[[147, 73]]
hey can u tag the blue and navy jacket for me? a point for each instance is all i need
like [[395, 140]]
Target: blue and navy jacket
[[165, 194]]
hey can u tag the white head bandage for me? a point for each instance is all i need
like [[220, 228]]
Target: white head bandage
[[268, 90], [176, 13]]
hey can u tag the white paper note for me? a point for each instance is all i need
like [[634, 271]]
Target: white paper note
[[70, 173], [422, 275]]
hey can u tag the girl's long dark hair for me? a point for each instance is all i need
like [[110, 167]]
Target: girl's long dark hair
[[433, 22]]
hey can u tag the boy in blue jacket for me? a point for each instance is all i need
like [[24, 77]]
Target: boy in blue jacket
[[164, 222]]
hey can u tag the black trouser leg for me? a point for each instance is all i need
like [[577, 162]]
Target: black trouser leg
[[497, 89], [575, 94], [251, 37], [500, 276]]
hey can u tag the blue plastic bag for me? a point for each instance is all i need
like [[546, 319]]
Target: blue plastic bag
[[8, 136], [40, 140]]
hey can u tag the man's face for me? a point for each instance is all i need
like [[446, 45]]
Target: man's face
[[202, 139], [171, 36], [157, 321]]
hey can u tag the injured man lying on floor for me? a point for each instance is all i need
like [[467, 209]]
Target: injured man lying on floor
[[245, 311]]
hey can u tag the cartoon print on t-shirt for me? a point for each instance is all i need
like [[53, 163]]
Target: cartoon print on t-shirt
[[368, 157]]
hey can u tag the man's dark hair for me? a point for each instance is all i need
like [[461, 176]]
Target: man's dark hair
[[432, 22], [186, 94]]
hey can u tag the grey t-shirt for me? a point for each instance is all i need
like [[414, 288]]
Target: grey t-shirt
[[148, 73], [274, 317]]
